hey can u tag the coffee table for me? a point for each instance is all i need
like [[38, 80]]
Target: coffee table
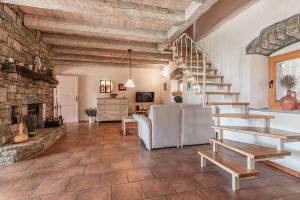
[[126, 120]]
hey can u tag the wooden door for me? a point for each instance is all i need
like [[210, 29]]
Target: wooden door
[[66, 96]]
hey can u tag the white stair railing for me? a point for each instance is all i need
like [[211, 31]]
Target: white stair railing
[[183, 47]]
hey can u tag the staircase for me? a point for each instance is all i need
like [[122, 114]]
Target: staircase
[[199, 71]]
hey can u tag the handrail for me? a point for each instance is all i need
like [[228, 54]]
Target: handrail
[[186, 35], [182, 57]]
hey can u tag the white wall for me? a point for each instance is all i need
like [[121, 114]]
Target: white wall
[[226, 47], [90, 76]]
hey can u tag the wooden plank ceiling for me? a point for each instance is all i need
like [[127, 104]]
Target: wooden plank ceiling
[[101, 31]]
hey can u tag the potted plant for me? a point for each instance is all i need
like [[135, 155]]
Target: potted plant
[[91, 113], [177, 96], [289, 102]]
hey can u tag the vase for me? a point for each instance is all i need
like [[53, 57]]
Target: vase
[[91, 120], [178, 99], [289, 102]]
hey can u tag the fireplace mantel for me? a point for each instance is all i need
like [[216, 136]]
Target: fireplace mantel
[[23, 71]]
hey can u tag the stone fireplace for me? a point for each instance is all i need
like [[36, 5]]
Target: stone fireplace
[[23, 89], [24, 95]]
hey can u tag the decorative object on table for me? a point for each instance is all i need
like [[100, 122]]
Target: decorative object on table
[[122, 87], [31, 121], [9, 65], [91, 113], [130, 83], [113, 95], [288, 102], [105, 86], [37, 63], [177, 96], [22, 132]]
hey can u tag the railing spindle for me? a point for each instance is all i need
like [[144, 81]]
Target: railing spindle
[[173, 50], [191, 67], [204, 79], [186, 52], [181, 49], [197, 56]]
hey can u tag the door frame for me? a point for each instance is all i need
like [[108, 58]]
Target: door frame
[[76, 95]]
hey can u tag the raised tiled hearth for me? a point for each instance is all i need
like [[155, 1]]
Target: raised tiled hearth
[[11, 153], [98, 162]]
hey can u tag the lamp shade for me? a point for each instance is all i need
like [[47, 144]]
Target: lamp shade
[[129, 83]]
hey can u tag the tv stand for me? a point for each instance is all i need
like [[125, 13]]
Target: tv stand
[[142, 112]]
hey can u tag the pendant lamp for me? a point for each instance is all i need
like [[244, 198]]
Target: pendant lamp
[[129, 83]]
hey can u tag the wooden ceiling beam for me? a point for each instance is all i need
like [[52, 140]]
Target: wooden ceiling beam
[[85, 42], [68, 63], [111, 53], [103, 59], [62, 26], [169, 4], [124, 9], [216, 16], [102, 21]]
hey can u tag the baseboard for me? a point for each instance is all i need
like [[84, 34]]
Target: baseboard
[[282, 168]]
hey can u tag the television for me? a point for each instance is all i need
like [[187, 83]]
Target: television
[[143, 97]]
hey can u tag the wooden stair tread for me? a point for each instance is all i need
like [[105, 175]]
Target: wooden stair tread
[[227, 103], [227, 164], [250, 150], [243, 116], [209, 76], [214, 84], [194, 70], [274, 133], [222, 93]]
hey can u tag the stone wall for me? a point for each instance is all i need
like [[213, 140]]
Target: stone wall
[[21, 44]]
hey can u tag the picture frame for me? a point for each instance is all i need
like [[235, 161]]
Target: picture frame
[[122, 87], [105, 86]]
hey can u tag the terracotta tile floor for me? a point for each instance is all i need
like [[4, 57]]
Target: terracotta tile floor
[[97, 162]]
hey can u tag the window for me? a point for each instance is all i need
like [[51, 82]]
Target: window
[[280, 65]]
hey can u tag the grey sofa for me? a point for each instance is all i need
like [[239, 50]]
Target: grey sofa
[[175, 125]]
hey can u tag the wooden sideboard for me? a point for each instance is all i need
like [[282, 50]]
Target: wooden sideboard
[[111, 109]]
